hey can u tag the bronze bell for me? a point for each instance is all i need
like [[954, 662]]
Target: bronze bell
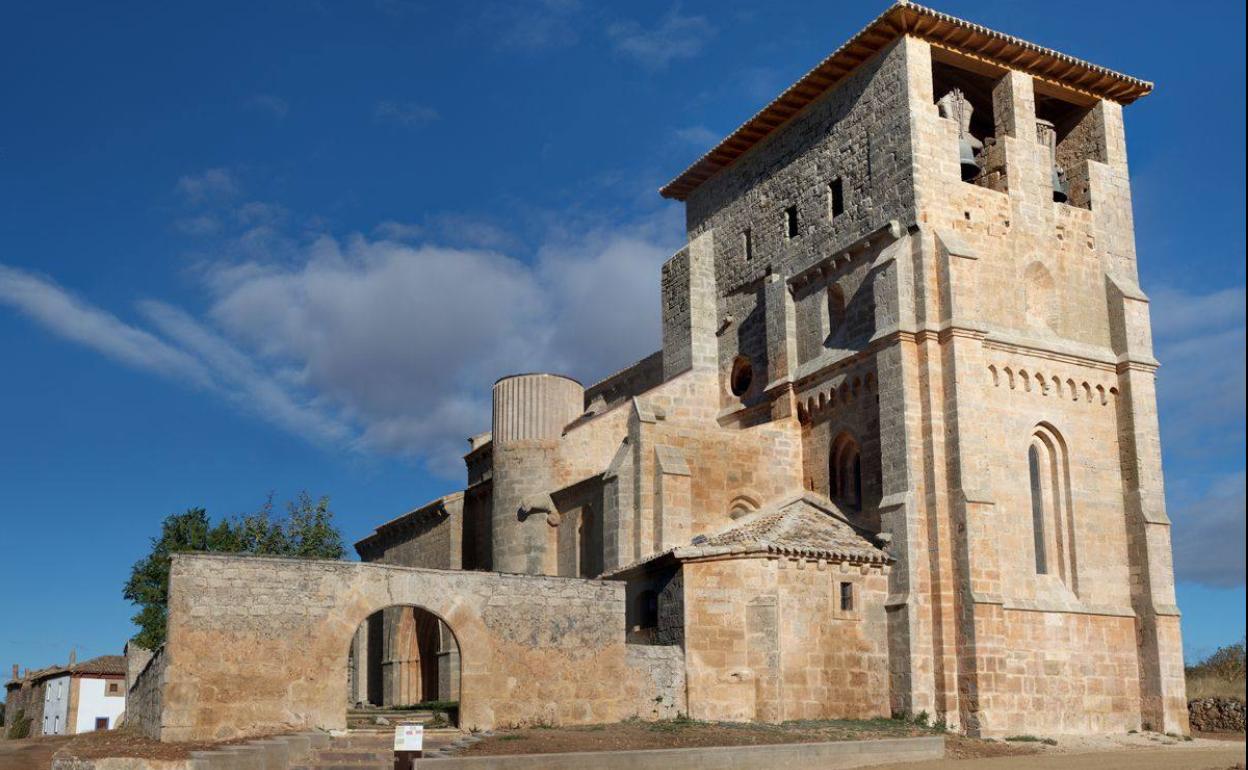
[[1046, 134], [955, 106], [967, 160], [1060, 189]]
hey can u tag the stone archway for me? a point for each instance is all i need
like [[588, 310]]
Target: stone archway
[[256, 644], [402, 656]]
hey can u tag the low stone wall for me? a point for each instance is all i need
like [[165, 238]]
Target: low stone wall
[[660, 670], [256, 644], [145, 699], [1217, 715]]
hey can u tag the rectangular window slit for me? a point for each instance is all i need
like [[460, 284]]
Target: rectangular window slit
[[836, 197], [847, 597], [747, 243], [790, 222]]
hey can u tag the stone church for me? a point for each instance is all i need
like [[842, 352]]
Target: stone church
[[898, 452]]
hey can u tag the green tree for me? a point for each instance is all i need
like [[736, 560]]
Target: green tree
[[306, 531]]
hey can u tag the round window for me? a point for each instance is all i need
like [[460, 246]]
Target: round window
[[742, 376]]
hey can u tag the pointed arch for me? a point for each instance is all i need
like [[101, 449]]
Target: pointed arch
[[1052, 520], [845, 471]]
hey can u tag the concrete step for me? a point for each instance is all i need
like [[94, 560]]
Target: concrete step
[[374, 749]]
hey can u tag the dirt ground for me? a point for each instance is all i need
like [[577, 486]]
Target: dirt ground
[[685, 733], [1216, 756], [30, 753], [1138, 751]]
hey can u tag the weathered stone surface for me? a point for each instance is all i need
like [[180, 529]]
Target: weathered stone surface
[[258, 645]]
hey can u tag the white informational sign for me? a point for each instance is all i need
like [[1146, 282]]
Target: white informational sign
[[409, 738]]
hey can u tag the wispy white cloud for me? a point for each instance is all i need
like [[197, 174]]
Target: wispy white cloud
[[535, 25], [391, 230], [198, 225], [699, 137], [406, 114], [42, 300], [1199, 340], [675, 37], [1208, 535], [274, 106], [383, 344], [211, 185]]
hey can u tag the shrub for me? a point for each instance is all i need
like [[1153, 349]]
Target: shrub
[[1220, 675], [20, 727]]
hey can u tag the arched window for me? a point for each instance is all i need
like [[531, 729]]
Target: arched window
[[1048, 471], [1037, 509], [845, 472], [742, 376]]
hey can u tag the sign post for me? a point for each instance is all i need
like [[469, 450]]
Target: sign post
[[409, 745]]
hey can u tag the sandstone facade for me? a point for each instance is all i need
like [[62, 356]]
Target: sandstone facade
[[904, 350]]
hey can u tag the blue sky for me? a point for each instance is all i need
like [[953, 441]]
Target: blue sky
[[254, 247]]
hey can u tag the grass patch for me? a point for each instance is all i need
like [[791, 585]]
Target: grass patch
[[1031, 739], [513, 737], [430, 705]]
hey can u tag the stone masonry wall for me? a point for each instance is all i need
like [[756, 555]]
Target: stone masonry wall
[[256, 645], [857, 134], [765, 640], [145, 700], [1030, 328], [661, 668]]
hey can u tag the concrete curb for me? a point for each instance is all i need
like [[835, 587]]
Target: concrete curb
[[791, 756]]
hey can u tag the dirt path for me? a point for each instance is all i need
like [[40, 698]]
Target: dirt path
[[30, 753], [1221, 757]]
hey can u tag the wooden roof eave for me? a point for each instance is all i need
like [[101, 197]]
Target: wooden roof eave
[[1062, 72]]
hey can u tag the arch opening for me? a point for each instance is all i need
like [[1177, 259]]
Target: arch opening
[[402, 658]]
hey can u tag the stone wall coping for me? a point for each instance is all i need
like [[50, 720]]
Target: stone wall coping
[[287, 560]]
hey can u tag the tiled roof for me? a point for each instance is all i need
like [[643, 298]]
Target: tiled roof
[[111, 665], [940, 29], [806, 526], [437, 506], [809, 525]]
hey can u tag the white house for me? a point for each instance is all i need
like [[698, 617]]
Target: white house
[[83, 697]]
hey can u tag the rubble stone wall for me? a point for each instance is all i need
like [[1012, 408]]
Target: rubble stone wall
[[256, 644]]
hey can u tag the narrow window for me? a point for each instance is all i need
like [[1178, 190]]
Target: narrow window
[[847, 597], [836, 197], [742, 376], [790, 222], [747, 243], [1037, 510], [648, 610], [836, 310]]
